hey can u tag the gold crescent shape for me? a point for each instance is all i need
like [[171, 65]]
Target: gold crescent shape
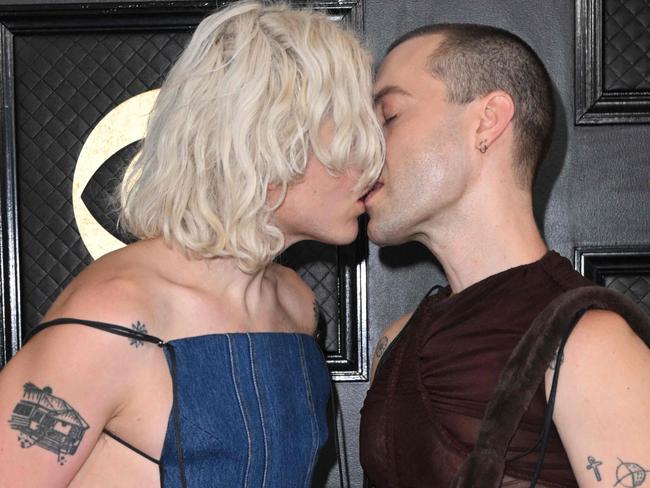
[[122, 126]]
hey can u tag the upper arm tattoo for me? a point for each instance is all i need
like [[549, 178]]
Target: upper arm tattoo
[[593, 464], [630, 475], [138, 327], [47, 421], [316, 313], [317, 334], [381, 347]]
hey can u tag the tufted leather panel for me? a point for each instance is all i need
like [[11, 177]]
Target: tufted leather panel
[[64, 85], [637, 287], [626, 43]]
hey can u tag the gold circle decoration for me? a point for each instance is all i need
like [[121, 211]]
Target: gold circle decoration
[[122, 126]]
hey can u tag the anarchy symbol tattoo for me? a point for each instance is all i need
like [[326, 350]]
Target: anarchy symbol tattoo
[[630, 475], [47, 421]]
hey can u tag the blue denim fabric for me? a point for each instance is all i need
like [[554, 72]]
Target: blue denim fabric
[[252, 410]]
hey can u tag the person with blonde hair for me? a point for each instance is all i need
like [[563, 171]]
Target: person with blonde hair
[[187, 358]]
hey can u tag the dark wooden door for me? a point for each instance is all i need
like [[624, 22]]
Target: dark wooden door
[[591, 198]]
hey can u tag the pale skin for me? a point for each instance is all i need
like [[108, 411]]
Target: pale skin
[[477, 220], [124, 387]]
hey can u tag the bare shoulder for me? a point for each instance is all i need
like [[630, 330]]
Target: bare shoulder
[[99, 296], [603, 338], [297, 298], [110, 289], [76, 354], [71, 367], [116, 300], [601, 343], [388, 336], [603, 397], [598, 325]]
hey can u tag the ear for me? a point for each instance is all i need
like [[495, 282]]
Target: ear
[[275, 194], [496, 111]]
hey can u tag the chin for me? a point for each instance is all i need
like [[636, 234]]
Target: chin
[[342, 235], [382, 237]]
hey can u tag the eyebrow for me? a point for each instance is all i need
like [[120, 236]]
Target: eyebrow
[[389, 90]]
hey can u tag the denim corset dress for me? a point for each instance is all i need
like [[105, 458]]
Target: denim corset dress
[[249, 409]]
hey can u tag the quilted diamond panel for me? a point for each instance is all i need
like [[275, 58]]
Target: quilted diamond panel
[[626, 43], [636, 287], [64, 85]]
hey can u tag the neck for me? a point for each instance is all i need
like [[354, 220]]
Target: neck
[[486, 237], [217, 276]]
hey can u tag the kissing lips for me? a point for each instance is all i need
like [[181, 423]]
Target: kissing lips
[[375, 188]]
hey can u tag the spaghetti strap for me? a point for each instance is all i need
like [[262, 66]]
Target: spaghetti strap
[[111, 328], [134, 334], [130, 446]]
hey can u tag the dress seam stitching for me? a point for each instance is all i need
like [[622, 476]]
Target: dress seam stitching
[[314, 424], [241, 409], [259, 406]]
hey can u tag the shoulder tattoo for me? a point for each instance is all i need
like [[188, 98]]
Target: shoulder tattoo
[[381, 347], [137, 326], [318, 331], [47, 421], [316, 313]]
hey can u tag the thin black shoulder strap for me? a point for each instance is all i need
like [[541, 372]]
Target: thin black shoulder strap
[[550, 404], [134, 334], [128, 445], [111, 328]]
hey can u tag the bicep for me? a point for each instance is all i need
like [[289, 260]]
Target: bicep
[[603, 400], [52, 412]]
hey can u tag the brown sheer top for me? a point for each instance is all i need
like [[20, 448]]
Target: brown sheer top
[[422, 415]]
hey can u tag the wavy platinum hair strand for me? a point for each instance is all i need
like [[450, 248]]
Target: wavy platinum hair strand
[[241, 110]]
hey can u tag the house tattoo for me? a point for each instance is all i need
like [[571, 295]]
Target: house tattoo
[[47, 421]]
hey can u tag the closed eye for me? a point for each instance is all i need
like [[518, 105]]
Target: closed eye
[[389, 119]]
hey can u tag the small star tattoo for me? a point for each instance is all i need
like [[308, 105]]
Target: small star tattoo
[[138, 327]]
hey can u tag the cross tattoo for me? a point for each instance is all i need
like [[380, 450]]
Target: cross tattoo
[[593, 464]]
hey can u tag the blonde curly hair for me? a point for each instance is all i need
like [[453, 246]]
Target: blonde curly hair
[[241, 110]]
